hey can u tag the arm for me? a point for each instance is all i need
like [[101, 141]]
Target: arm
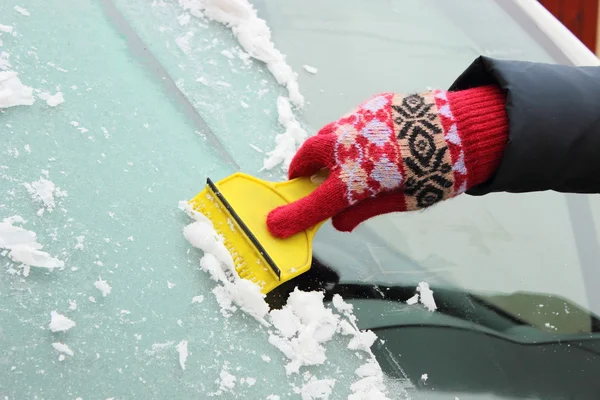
[[553, 125]]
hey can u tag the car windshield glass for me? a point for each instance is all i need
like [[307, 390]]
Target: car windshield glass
[[157, 97]]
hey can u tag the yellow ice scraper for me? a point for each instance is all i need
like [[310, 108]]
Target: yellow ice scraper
[[238, 207]]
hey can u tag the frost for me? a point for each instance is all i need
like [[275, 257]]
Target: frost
[[60, 323], [182, 349], [287, 142], [63, 348], [310, 69], [23, 245], [253, 35], [103, 287], [12, 91]]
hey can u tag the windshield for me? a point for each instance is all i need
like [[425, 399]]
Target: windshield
[[157, 97]]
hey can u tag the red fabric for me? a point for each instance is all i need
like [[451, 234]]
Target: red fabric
[[482, 124]]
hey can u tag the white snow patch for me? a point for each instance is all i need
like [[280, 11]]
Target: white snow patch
[[170, 285], [72, 305], [226, 382], [52, 100], [6, 28], [424, 377], [182, 349], [310, 69], [60, 323], [253, 35], [286, 143], [23, 245], [317, 389], [43, 191], [62, 348], [79, 245], [12, 91], [248, 381], [22, 11], [426, 296], [103, 287], [198, 299]]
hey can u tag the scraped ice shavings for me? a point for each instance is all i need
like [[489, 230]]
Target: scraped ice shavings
[[13, 92], [310, 69], [44, 191], [253, 35], [103, 287], [287, 142], [302, 326], [425, 296], [23, 246], [60, 323], [63, 348], [317, 389], [52, 100], [182, 349]]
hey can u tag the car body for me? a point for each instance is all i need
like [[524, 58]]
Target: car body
[[154, 104]]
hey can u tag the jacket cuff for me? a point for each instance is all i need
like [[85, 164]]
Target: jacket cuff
[[482, 125]]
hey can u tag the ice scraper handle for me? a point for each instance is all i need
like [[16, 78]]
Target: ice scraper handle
[[396, 153]]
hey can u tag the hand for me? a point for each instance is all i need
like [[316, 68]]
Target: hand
[[397, 153]]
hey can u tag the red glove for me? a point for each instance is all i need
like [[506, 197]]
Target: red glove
[[397, 153]]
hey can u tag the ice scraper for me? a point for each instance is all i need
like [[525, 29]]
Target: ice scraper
[[238, 206]]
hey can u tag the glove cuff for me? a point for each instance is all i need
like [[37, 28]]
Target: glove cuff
[[482, 124]]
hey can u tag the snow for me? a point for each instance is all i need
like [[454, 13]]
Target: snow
[[60, 323], [198, 299], [424, 377], [23, 245], [310, 69], [317, 389], [286, 143], [103, 287], [170, 285], [427, 296], [52, 100], [300, 328], [6, 28], [12, 91], [254, 36], [62, 348], [182, 349], [226, 381], [43, 191], [22, 11]]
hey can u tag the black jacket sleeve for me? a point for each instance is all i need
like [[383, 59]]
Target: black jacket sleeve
[[554, 125]]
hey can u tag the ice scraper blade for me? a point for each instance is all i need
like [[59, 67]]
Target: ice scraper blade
[[238, 206]]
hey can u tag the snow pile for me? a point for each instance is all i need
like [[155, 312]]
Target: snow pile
[[253, 35], [23, 246], [13, 92], [103, 287], [218, 263], [60, 323], [43, 191], [425, 296], [301, 327], [287, 142]]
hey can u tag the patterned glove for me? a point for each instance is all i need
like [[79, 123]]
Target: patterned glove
[[397, 153]]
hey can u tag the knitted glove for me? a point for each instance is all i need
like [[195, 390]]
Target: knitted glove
[[397, 153]]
